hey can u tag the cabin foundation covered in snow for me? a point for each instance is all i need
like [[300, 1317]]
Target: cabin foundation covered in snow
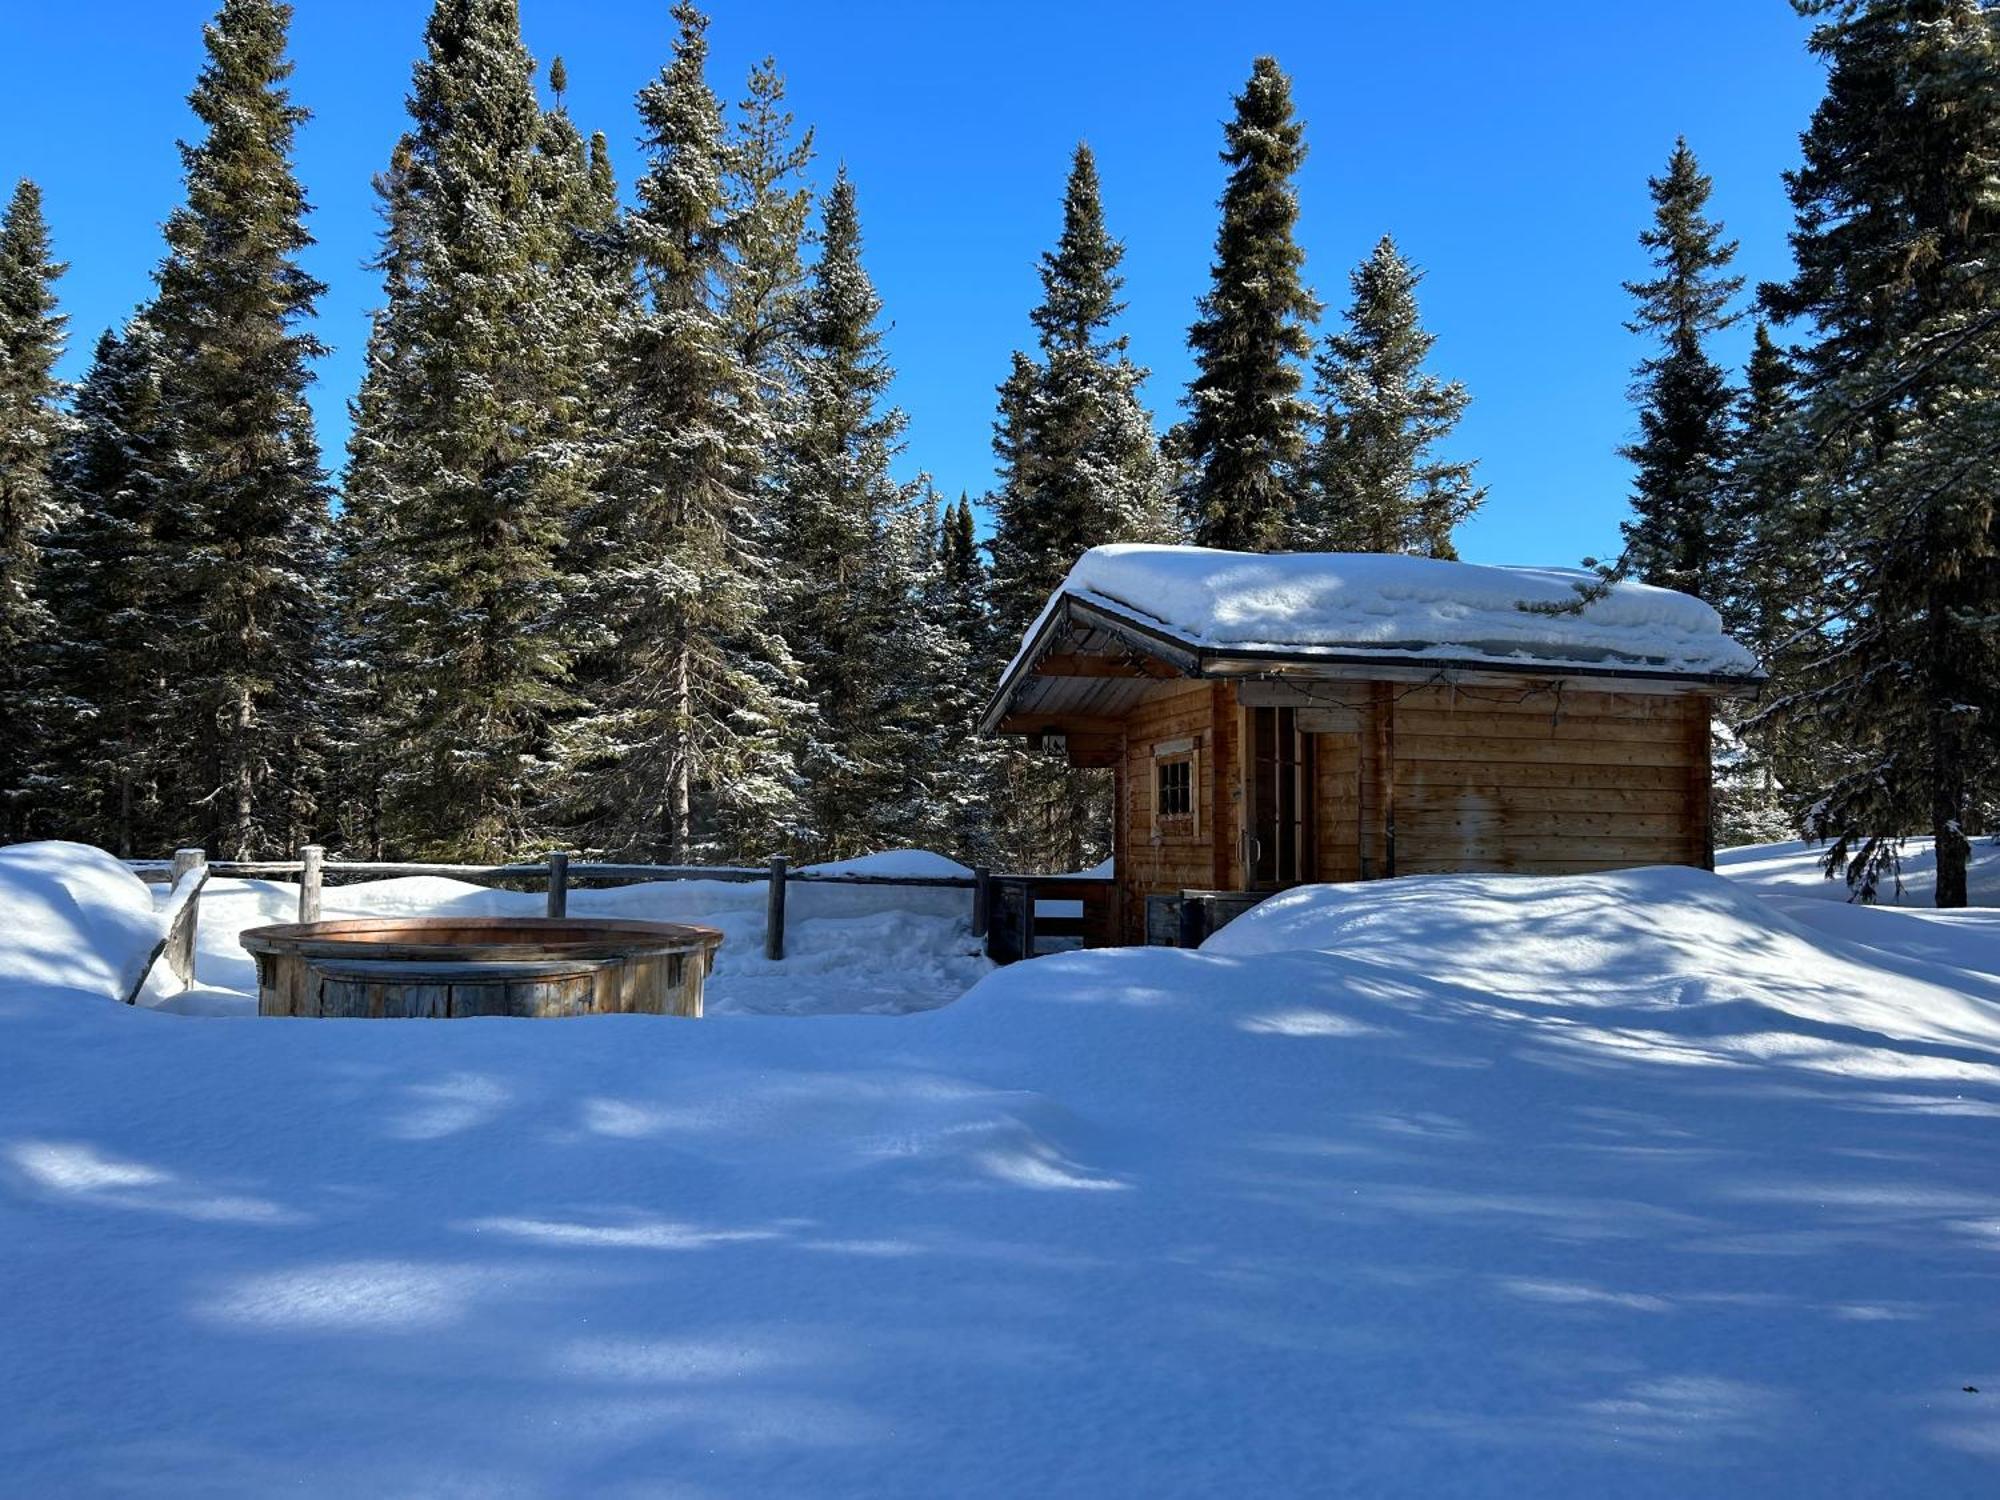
[[1271, 721]]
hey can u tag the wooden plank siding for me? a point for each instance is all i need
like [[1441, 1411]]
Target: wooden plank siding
[[1548, 782], [1152, 862], [1533, 780]]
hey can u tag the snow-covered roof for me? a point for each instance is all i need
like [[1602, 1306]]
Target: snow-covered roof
[[1366, 607]]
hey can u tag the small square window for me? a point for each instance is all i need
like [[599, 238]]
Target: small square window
[[1173, 799]]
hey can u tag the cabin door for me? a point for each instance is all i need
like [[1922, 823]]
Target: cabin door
[[1278, 811]]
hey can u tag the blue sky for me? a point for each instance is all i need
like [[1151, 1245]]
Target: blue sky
[[1505, 146]]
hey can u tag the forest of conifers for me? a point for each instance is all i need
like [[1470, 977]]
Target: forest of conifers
[[615, 558]]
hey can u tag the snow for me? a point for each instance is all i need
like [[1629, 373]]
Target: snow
[[92, 921], [1337, 603], [1797, 869], [1638, 1184]]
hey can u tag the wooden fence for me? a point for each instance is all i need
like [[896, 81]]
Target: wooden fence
[[1003, 906]]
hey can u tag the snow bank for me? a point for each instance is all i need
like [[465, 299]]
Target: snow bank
[[1611, 1185], [1405, 606], [72, 918], [1664, 951], [1793, 868]]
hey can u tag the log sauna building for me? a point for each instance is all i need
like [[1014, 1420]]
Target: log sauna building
[[1274, 720]]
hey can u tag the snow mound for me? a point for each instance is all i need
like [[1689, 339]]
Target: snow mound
[[912, 863], [1354, 603], [1668, 949], [1794, 868], [73, 918]]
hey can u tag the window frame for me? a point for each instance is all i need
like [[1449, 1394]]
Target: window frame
[[1166, 755]]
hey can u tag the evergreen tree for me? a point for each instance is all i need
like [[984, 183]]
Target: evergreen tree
[[31, 339], [769, 205], [934, 772], [1775, 553], [684, 751], [243, 512], [1897, 249], [1675, 537], [470, 456], [1245, 435], [109, 653], [1375, 484], [1775, 557], [1079, 465], [851, 579]]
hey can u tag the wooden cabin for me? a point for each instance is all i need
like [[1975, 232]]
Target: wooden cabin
[[1271, 721]]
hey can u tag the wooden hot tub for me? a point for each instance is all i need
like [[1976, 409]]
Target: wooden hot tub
[[480, 966]]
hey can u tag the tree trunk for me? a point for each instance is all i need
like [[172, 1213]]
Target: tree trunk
[[680, 768], [1948, 755], [242, 771]]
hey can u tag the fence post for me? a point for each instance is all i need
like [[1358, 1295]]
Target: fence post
[[559, 882], [311, 857], [1194, 919], [181, 933], [982, 900], [1027, 919], [774, 911]]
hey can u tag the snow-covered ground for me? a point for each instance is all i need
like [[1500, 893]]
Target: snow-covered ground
[[1797, 869], [1632, 1184]]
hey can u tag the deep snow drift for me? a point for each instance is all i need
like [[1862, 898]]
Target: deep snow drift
[[1413, 606], [1625, 1184]]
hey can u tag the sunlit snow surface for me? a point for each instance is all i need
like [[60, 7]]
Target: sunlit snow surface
[[1632, 1184]]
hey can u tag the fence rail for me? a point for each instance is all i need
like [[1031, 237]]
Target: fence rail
[[1003, 906]]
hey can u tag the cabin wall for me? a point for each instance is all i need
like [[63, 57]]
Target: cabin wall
[[1541, 783], [1148, 861], [1528, 779]]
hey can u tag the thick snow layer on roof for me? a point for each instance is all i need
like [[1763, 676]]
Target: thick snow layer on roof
[[1366, 604]]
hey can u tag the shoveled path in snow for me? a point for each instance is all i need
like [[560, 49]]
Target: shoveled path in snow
[[1621, 1185]]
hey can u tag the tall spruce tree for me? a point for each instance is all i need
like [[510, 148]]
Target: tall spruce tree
[[31, 421], [684, 749], [1245, 436], [932, 780], [1676, 535], [1375, 483], [769, 206], [851, 580], [1897, 284], [110, 652], [1775, 555], [1079, 464], [243, 511], [469, 458]]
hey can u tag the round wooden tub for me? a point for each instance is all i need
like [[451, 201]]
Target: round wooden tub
[[480, 966]]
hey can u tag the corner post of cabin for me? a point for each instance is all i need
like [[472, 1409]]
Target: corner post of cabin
[[312, 857], [774, 911], [558, 883]]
